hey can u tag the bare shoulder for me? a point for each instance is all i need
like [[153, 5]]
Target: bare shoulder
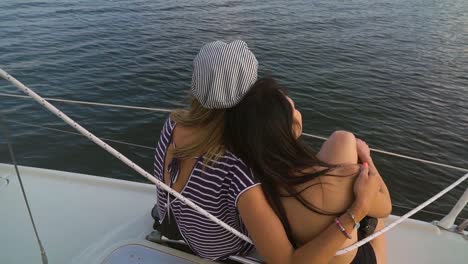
[[330, 196], [333, 191], [183, 136]]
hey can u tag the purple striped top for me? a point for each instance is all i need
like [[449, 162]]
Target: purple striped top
[[216, 188]]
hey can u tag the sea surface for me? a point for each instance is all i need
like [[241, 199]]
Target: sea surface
[[394, 72]]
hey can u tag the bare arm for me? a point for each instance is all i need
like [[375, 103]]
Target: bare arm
[[271, 240]]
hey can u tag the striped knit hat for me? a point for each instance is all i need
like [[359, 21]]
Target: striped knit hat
[[223, 73]]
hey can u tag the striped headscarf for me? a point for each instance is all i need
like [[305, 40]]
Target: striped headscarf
[[223, 73]]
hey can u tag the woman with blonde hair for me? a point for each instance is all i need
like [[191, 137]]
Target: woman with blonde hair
[[191, 157]]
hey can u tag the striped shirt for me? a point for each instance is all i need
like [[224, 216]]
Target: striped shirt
[[216, 188]]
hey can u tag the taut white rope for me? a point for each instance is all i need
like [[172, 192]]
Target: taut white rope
[[399, 155], [402, 218], [79, 134], [117, 154], [91, 103], [165, 110]]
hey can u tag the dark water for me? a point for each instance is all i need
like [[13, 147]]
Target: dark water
[[392, 71]]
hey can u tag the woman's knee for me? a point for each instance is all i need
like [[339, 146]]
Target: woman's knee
[[343, 136], [340, 147]]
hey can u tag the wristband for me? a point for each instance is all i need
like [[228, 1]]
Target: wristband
[[342, 229]]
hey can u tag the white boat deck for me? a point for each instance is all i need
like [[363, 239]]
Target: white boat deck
[[85, 219]]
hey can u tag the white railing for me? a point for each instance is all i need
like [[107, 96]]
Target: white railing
[[448, 221]]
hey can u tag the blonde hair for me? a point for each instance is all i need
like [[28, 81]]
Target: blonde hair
[[209, 136]]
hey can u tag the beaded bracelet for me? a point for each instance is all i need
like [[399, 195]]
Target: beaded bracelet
[[342, 229]]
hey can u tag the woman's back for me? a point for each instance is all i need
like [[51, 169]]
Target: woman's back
[[329, 193], [333, 194], [214, 186]]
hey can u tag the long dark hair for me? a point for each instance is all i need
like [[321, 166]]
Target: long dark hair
[[259, 130]]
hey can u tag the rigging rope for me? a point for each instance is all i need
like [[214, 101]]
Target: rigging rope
[[160, 184], [152, 148], [79, 134], [402, 218], [13, 160], [165, 110], [91, 103]]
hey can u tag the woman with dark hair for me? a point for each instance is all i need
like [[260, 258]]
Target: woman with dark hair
[[308, 191]]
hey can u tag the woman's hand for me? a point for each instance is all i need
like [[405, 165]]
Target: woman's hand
[[366, 187], [371, 193], [363, 150]]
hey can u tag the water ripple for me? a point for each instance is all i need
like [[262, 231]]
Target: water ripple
[[393, 72]]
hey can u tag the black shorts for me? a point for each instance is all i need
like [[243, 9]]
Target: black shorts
[[365, 253]]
